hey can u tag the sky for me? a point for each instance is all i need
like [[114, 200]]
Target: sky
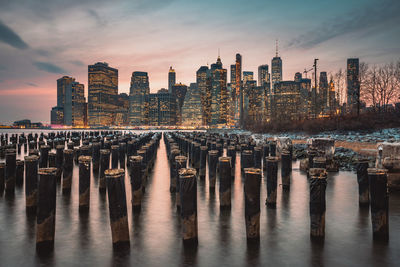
[[43, 40]]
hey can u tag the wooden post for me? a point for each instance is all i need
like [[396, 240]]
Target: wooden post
[[117, 208], [135, 163], [44, 156], [203, 162], [180, 164], [67, 170], [257, 156], [19, 173], [286, 163], [272, 181], [172, 170], [2, 176], [46, 210], [188, 196], [104, 165], [212, 168], [252, 203], [246, 159], [225, 182], [96, 158], [10, 170], [84, 182], [114, 156], [317, 202], [31, 183], [379, 203], [231, 152]]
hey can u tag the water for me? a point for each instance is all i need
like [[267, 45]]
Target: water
[[156, 237]]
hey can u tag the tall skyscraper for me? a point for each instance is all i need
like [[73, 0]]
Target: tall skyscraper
[[179, 91], [263, 75], [62, 84], [171, 79], [203, 80], [238, 91], [353, 83], [102, 93], [74, 106], [276, 68], [218, 94], [162, 108], [191, 110], [138, 98], [323, 89]]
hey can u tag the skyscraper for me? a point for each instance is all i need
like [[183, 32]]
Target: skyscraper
[[74, 106], [248, 76], [102, 93], [218, 94], [179, 92], [203, 80], [62, 84], [162, 108], [138, 98], [353, 83], [171, 79], [323, 89], [276, 68], [238, 90], [263, 75], [191, 110]]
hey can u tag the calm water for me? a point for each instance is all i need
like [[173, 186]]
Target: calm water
[[156, 237]]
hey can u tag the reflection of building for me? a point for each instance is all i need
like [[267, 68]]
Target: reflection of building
[[102, 92], [57, 116], [353, 83], [74, 105], [138, 98], [191, 110], [162, 108], [218, 94], [171, 78], [203, 81]]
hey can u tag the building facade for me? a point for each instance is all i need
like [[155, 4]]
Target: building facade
[[139, 98], [74, 107], [171, 78], [218, 94], [353, 84], [203, 81]]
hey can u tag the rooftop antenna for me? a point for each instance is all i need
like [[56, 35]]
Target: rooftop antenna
[[276, 42], [218, 53]]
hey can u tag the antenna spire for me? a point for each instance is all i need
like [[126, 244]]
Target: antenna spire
[[276, 42], [218, 53]]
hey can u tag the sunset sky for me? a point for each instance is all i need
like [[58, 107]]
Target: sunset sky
[[43, 40]]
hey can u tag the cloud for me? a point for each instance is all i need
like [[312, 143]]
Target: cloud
[[49, 67], [100, 20], [10, 37], [32, 84], [368, 18], [77, 63]]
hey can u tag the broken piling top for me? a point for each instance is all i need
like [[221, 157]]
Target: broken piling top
[[392, 164], [253, 171], [135, 159], [318, 173], [180, 158], [282, 143], [48, 171], [326, 145], [224, 160], [187, 173], [376, 171], [389, 149], [85, 159], [114, 173], [31, 158]]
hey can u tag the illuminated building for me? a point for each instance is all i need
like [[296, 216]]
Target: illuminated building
[[57, 116], [323, 90], [138, 98], [248, 76], [74, 106], [162, 108], [179, 91], [276, 68], [102, 92], [263, 75], [218, 94], [122, 112], [254, 102], [171, 79], [236, 83], [286, 101], [62, 84], [332, 97], [203, 80], [191, 110], [353, 83]]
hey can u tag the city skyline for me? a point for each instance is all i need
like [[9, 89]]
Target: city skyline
[[34, 56]]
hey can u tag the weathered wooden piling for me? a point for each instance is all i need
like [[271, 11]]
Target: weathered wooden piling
[[231, 152], [44, 156], [117, 208], [317, 202], [114, 156], [379, 203], [286, 162], [257, 156], [246, 159], [180, 164], [173, 176], [84, 182], [46, 210], [252, 188], [135, 165], [319, 162], [96, 158], [2, 176], [11, 162], [19, 172], [272, 181], [225, 182], [212, 168], [122, 154], [203, 162], [363, 182], [188, 199], [272, 148], [104, 165], [31, 183], [67, 170]]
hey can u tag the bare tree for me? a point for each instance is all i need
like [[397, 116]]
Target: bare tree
[[370, 88], [386, 85]]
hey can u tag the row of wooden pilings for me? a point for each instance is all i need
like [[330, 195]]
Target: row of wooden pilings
[[188, 154], [44, 169]]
